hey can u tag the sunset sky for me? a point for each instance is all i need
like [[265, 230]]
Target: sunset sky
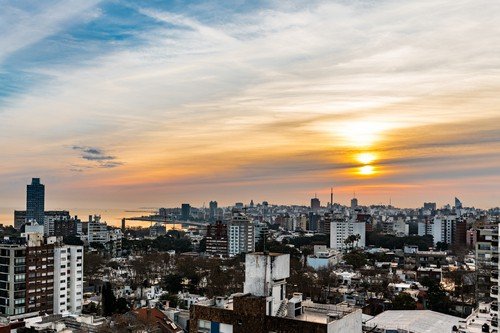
[[154, 103]]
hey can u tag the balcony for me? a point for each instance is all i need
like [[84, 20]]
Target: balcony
[[494, 306], [494, 291]]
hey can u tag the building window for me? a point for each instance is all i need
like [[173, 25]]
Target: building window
[[203, 325]]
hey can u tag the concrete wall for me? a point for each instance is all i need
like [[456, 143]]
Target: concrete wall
[[351, 323], [261, 270]]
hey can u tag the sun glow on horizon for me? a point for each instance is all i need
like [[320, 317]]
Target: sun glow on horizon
[[366, 158], [366, 170], [362, 133]]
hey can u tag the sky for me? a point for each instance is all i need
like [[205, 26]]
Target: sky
[[155, 103]]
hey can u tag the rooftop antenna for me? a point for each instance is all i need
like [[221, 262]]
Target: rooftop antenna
[[331, 198]]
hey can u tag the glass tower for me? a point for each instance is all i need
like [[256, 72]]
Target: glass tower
[[35, 201]]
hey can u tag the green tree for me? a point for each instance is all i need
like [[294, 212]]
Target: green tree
[[173, 300], [436, 296], [122, 306], [172, 283], [92, 265], [108, 299], [403, 301], [356, 259]]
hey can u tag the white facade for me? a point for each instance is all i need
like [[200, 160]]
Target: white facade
[[98, 232], [265, 275], [341, 229], [441, 228], [68, 279], [401, 228], [241, 236]]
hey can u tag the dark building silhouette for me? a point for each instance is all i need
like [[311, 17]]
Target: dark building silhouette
[[217, 239], [185, 211], [213, 211], [315, 204], [313, 224], [19, 218], [35, 201], [430, 206], [65, 228]]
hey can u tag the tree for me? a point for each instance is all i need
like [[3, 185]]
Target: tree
[[327, 279], [403, 301], [172, 283], [108, 299], [72, 240], [356, 259], [202, 246], [438, 301], [441, 246], [173, 300], [92, 264], [122, 306]]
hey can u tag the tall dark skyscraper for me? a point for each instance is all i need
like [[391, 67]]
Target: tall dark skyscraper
[[185, 211], [35, 201], [213, 211], [315, 204]]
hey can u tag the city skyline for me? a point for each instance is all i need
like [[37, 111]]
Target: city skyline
[[125, 105]]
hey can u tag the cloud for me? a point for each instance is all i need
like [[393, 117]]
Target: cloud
[[25, 23], [96, 155]]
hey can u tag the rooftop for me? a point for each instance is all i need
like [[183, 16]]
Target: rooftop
[[414, 321]]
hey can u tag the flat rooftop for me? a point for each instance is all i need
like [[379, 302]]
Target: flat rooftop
[[415, 321]]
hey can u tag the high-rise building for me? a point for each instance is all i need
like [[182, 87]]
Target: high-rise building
[[185, 211], [213, 211], [68, 279], [217, 239], [12, 280], [241, 235], [341, 228], [39, 275], [354, 203], [19, 218], [35, 201], [53, 216], [443, 228], [98, 232], [315, 204], [431, 206]]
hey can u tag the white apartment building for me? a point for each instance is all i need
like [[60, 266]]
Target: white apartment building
[[341, 229], [99, 233], [68, 279], [441, 228], [241, 235]]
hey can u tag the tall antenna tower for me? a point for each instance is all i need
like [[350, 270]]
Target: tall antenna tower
[[331, 199]]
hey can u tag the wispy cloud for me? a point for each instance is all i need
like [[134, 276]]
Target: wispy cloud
[[96, 155]]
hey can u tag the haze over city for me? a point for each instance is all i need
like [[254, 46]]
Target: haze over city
[[117, 104]]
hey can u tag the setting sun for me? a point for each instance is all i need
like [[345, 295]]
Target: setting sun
[[366, 158], [366, 170]]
